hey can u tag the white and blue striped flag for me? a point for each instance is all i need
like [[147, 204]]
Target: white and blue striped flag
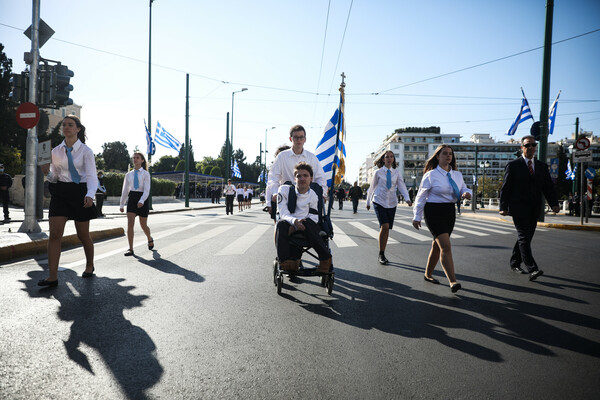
[[236, 170], [326, 151], [570, 174], [552, 115], [262, 177], [150, 148], [524, 115], [165, 139]]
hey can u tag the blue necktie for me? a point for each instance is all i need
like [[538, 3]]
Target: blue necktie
[[136, 181], [388, 179], [75, 177], [454, 187]]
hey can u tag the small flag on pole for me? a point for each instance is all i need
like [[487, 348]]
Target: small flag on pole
[[570, 174], [524, 115], [165, 139], [236, 170], [552, 115], [151, 149]]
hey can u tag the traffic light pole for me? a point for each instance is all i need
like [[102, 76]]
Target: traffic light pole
[[30, 224]]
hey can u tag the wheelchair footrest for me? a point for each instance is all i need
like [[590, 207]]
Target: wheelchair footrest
[[307, 272]]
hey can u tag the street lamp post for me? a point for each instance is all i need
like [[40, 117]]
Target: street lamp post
[[231, 140], [483, 165], [265, 164]]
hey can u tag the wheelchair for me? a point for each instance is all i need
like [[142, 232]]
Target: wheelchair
[[301, 246]]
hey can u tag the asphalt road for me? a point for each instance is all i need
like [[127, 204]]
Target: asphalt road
[[199, 317]]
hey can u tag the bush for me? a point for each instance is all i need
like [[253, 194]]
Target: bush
[[160, 187]]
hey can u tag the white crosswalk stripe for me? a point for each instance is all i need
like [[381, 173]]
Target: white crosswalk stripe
[[483, 228], [340, 239], [245, 241], [370, 231]]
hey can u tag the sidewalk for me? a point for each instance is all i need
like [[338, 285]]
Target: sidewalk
[[14, 244]]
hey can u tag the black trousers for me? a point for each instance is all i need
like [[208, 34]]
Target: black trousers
[[522, 251], [311, 233], [355, 205], [4, 197], [229, 203], [99, 203]]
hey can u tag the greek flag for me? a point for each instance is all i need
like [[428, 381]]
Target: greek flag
[[236, 170], [570, 174], [524, 115], [326, 151], [552, 115], [151, 149], [165, 139], [262, 177]]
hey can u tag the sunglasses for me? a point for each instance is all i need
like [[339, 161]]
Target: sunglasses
[[528, 145]]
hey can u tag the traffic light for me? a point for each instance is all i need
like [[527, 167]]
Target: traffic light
[[62, 75], [20, 87], [44, 85]]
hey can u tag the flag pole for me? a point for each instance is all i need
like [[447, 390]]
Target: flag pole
[[337, 141]]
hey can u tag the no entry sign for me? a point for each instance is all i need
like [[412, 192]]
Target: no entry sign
[[28, 115]]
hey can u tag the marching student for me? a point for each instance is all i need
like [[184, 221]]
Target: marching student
[[136, 189], [74, 181]]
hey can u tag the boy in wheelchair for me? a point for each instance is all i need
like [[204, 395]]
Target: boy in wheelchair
[[301, 219]]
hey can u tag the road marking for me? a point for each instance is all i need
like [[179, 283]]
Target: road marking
[[472, 232], [242, 244], [495, 230], [370, 231], [341, 239]]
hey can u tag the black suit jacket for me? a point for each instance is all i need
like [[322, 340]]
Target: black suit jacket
[[521, 193]]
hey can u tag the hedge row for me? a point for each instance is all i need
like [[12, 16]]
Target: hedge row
[[159, 187]]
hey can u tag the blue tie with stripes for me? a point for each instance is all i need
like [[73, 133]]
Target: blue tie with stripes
[[75, 177], [136, 180], [454, 187]]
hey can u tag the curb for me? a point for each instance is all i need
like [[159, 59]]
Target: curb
[[41, 246], [570, 227]]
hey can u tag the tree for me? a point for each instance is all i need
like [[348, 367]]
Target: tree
[[165, 164], [180, 166], [116, 156], [100, 164], [216, 171], [182, 156]]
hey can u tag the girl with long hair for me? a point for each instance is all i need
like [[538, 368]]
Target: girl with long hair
[[382, 192], [136, 189], [441, 187]]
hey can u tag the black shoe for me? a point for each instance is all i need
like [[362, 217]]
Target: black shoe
[[151, 244], [518, 270], [431, 280], [535, 274], [128, 253], [44, 282], [456, 287], [88, 274], [382, 260]]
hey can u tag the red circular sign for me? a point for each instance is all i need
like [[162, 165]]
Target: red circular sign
[[582, 143], [28, 115]]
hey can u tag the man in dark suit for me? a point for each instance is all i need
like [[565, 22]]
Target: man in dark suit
[[525, 180]]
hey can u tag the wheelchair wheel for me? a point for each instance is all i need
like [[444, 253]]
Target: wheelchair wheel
[[330, 285], [279, 283], [275, 272]]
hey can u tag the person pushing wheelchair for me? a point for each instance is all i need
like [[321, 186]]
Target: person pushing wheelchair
[[302, 216]]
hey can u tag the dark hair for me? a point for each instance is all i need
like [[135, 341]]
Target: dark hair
[[297, 128], [433, 161], [305, 166], [281, 148], [379, 163], [143, 158], [527, 137], [81, 134]]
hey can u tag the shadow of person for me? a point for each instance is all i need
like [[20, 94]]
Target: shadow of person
[[168, 267], [95, 306]]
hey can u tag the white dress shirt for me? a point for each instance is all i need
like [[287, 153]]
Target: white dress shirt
[[143, 185], [304, 202], [229, 189], [84, 162], [436, 188], [239, 191], [282, 170], [527, 162], [380, 194]]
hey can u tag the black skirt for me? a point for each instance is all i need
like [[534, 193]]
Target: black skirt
[[132, 202], [67, 201], [440, 218]]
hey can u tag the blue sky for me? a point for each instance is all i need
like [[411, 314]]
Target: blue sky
[[290, 54]]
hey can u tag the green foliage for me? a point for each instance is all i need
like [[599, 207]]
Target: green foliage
[[216, 171], [116, 156], [165, 164], [182, 156], [100, 164], [11, 134], [12, 160], [159, 187], [207, 169], [431, 129], [180, 166]]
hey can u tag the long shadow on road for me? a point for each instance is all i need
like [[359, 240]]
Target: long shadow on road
[[369, 302], [168, 267], [96, 308]]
